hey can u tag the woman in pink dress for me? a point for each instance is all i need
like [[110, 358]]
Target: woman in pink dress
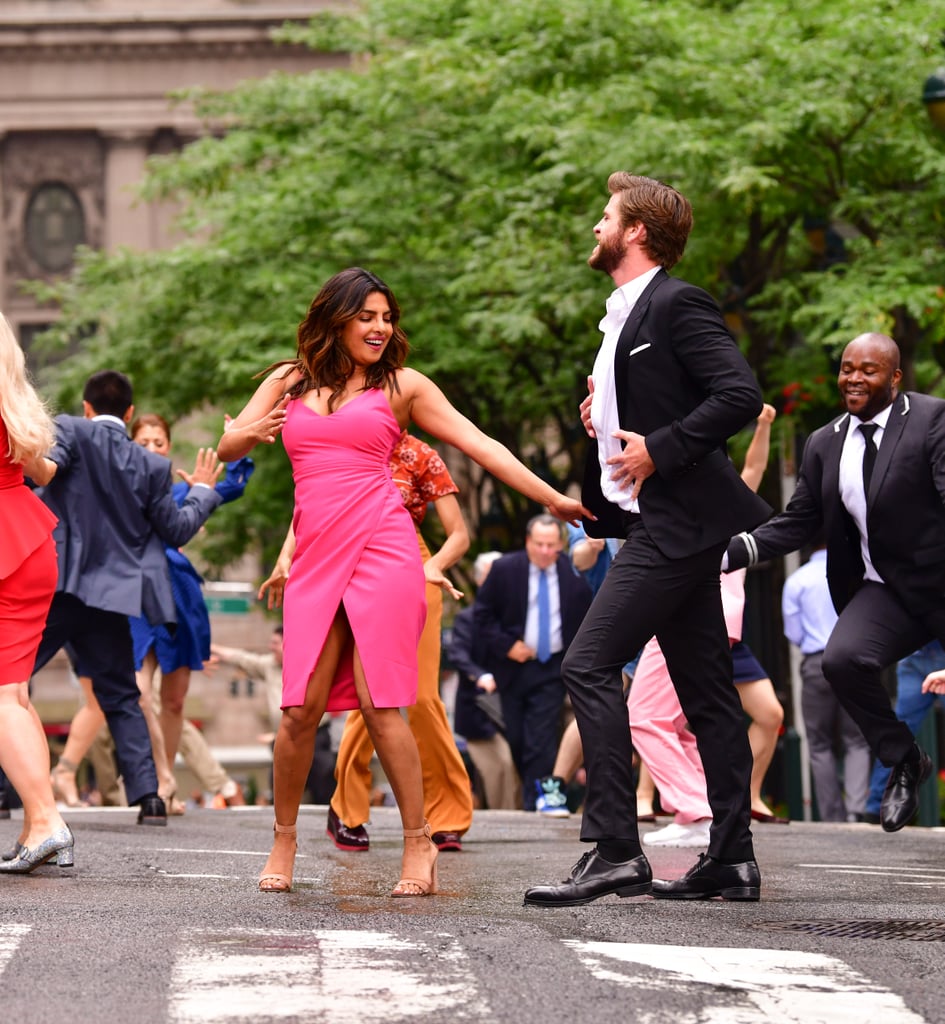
[[350, 569], [28, 572]]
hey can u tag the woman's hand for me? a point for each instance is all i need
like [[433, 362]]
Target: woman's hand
[[275, 585], [438, 578], [207, 469], [266, 429], [934, 682], [568, 509]]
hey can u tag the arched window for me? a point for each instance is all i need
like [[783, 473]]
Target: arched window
[[55, 225]]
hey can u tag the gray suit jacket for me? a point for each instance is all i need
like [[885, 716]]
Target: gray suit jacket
[[905, 509], [116, 512]]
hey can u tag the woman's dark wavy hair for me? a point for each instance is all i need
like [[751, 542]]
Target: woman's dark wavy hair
[[321, 357]]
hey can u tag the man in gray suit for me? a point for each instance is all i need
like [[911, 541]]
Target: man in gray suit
[[116, 512]]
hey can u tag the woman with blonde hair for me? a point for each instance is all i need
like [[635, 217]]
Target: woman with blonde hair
[[28, 573]]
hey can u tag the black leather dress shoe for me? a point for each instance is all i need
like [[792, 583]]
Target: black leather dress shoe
[[353, 839], [710, 877], [151, 811], [447, 841], [591, 878], [901, 796]]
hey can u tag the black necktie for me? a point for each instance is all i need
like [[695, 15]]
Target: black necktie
[[869, 453]]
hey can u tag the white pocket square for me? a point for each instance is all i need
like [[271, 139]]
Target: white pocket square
[[639, 348]]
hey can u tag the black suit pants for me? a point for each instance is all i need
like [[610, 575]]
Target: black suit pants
[[874, 631], [102, 643], [645, 594]]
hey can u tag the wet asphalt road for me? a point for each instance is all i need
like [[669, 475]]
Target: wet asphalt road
[[157, 925]]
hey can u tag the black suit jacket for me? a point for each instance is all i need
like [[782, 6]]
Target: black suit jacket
[[469, 719], [683, 384], [501, 608], [905, 509], [116, 512]]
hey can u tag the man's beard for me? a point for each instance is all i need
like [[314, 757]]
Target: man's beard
[[607, 257]]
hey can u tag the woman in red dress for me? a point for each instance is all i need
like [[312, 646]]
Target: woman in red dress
[[28, 573]]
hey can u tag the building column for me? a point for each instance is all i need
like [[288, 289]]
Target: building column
[[127, 217]]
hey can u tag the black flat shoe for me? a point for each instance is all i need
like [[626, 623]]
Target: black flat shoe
[[591, 878], [709, 878], [151, 811], [447, 841], [355, 840], [769, 819], [901, 796]]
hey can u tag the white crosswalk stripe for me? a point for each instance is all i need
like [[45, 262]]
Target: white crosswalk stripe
[[265, 975], [335, 976], [11, 935], [753, 986]]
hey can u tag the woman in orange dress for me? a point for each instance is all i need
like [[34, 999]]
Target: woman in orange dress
[[28, 573]]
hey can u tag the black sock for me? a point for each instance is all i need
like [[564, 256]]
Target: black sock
[[616, 851]]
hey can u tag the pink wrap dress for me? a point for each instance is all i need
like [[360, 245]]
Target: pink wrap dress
[[355, 546]]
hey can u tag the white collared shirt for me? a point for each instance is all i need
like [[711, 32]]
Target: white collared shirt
[[554, 607], [851, 481], [108, 416], [605, 417]]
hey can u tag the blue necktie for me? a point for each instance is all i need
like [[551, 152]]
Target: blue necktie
[[544, 618]]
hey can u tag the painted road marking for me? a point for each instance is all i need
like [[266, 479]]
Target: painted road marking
[[747, 986], [11, 935], [901, 874], [332, 977]]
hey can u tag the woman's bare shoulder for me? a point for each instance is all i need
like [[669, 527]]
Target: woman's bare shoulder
[[282, 378]]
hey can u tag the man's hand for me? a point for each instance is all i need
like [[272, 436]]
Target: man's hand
[[486, 683], [520, 652], [934, 682], [207, 469], [586, 408], [633, 465]]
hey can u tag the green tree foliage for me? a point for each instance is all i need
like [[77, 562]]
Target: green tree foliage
[[464, 158]]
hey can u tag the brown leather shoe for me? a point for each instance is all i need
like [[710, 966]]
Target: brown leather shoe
[[354, 839], [447, 840]]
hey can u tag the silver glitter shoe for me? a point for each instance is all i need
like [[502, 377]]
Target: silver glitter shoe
[[15, 850], [58, 845]]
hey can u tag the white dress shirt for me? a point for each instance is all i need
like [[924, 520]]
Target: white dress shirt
[[605, 417], [851, 481]]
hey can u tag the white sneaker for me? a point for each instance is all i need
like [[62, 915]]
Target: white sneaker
[[552, 802], [694, 833]]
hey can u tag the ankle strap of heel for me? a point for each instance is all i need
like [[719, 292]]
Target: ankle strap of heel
[[415, 833], [288, 830]]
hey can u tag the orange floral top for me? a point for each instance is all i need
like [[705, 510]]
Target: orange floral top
[[420, 474]]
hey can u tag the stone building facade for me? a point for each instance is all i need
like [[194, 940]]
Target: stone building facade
[[84, 101]]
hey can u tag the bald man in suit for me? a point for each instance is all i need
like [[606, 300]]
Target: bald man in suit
[[874, 480]]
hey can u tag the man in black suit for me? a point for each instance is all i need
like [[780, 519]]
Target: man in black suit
[[525, 656], [874, 479], [116, 511], [669, 388]]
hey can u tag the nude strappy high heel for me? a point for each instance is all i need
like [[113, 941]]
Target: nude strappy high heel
[[423, 886], [275, 881]]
